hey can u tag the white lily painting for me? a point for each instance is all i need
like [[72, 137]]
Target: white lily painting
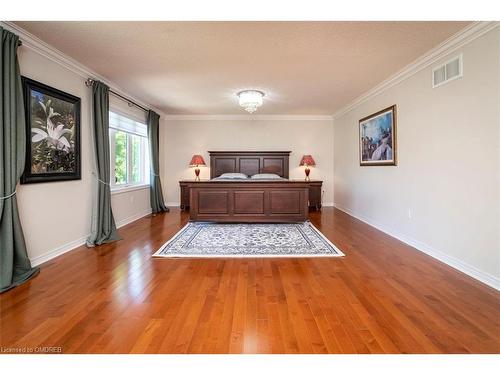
[[49, 132], [52, 125]]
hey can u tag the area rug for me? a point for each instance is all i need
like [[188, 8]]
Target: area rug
[[207, 240]]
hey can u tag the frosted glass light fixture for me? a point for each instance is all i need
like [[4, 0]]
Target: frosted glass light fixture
[[250, 99]]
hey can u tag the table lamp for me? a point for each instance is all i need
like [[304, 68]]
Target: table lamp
[[308, 161], [196, 161]]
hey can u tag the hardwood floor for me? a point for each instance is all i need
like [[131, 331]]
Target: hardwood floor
[[383, 297]]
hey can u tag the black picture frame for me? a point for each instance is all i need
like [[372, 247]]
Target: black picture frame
[[29, 176]]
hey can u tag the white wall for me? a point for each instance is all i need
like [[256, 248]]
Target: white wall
[[448, 171], [180, 139], [56, 215]]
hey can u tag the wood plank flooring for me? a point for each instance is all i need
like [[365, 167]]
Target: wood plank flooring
[[383, 297]]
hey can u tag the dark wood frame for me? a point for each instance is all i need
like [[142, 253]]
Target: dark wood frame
[[28, 177], [394, 137], [249, 202], [257, 201], [315, 193], [249, 162]]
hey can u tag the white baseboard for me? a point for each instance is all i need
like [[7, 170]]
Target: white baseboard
[[458, 264], [81, 241], [132, 218], [36, 261]]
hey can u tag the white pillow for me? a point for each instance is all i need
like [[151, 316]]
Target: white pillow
[[234, 176], [265, 176]]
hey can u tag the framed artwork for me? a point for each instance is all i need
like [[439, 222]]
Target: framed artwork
[[52, 134], [377, 138]]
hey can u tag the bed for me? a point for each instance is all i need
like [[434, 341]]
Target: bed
[[249, 200]]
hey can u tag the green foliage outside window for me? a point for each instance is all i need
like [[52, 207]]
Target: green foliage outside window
[[120, 157]]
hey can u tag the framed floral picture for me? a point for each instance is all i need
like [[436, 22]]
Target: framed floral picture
[[377, 138], [52, 134]]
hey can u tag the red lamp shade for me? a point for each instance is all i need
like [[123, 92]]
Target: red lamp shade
[[197, 160], [307, 160]]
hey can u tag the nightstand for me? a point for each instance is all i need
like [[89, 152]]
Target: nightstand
[[315, 190], [185, 192]]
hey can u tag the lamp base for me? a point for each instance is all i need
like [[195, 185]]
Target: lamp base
[[197, 173], [307, 171]]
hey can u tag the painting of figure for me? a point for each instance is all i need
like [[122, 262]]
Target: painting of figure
[[377, 138], [52, 134]]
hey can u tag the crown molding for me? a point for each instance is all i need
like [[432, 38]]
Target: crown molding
[[450, 45], [463, 37], [249, 117], [46, 50]]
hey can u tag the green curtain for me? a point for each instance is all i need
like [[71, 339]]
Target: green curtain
[[103, 222], [156, 195], [15, 266]]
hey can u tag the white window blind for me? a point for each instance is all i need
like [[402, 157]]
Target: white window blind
[[122, 123]]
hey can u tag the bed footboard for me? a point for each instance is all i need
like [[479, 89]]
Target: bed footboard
[[252, 202]]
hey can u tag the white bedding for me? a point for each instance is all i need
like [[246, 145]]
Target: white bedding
[[248, 179]]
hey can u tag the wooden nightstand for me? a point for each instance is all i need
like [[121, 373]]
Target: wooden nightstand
[[185, 192], [315, 193]]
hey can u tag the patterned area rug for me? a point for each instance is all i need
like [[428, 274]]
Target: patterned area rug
[[207, 240]]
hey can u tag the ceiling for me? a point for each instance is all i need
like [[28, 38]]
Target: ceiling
[[306, 68]]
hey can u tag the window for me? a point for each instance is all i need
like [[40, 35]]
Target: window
[[129, 152]]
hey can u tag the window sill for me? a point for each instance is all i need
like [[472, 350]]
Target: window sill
[[126, 189]]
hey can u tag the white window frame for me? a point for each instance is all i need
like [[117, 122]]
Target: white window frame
[[144, 168]]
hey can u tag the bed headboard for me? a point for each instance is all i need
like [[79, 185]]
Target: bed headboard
[[249, 162]]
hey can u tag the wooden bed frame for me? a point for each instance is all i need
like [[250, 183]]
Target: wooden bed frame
[[280, 201], [249, 162]]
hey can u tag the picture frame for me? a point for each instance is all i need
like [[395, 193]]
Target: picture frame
[[377, 138], [52, 134]]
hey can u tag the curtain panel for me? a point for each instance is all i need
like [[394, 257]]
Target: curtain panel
[[156, 195], [15, 266], [103, 222]]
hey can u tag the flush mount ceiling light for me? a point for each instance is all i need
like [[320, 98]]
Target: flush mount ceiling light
[[250, 99]]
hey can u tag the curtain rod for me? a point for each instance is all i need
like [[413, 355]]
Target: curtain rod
[[89, 82]]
